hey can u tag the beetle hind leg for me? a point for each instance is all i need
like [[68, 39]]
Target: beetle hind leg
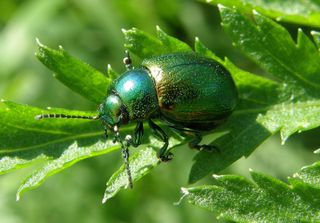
[[163, 154]]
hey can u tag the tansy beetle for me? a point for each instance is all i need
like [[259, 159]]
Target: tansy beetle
[[189, 93]]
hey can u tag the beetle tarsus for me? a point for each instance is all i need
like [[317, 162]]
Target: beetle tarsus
[[165, 158], [194, 144], [207, 148]]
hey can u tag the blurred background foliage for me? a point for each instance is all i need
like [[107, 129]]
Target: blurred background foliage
[[91, 31]]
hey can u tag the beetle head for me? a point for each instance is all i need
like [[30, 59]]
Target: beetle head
[[112, 111]]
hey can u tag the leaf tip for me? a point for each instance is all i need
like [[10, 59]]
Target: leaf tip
[[216, 176], [317, 151], [255, 12], [284, 136], [295, 175], [38, 42], [185, 192], [124, 31], [104, 200], [160, 32], [220, 6], [18, 196], [314, 33]]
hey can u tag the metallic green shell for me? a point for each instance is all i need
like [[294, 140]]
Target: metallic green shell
[[191, 89]]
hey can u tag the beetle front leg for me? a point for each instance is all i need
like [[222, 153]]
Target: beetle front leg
[[135, 141], [163, 154]]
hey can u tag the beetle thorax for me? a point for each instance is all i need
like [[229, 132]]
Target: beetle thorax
[[137, 92]]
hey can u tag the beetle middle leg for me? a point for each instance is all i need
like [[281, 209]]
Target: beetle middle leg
[[163, 154], [195, 142]]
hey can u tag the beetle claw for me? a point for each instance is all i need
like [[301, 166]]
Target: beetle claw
[[166, 158]]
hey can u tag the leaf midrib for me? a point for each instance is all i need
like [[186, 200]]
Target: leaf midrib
[[296, 74]]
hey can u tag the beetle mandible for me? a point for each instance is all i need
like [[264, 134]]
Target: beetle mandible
[[186, 91]]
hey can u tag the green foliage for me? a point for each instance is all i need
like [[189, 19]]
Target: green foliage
[[137, 41], [287, 103], [264, 200], [60, 144], [300, 12], [141, 163], [80, 77], [291, 104]]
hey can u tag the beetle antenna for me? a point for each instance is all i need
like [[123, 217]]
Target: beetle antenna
[[127, 60], [125, 154], [42, 116]]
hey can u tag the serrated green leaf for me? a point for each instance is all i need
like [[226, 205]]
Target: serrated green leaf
[[141, 163], [316, 37], [172, 44], [77, 75], [136, 40], [145, 45], [309, 175], [73, 154], [111, 73], [288, 104], [60, 143], [264, 200], [271, 46], [294, 11]]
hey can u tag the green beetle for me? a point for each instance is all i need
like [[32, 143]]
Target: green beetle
[[188, 92]]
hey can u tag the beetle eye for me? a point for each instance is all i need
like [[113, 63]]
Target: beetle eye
[[118, 112]]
